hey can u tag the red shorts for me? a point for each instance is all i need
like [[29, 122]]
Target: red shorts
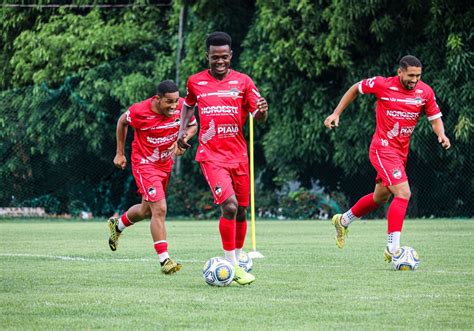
[[226, 180], [151, 181], [389, 164]]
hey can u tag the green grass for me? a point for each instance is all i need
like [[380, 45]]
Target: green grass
[[62, 275]]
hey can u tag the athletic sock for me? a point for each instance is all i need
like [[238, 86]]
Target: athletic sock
[[227, 231], [240, 232], [161, 248], [347, 218], [396, 214], [230, 256], [123, 222], [362, 207], [393, 241], [238, 252]]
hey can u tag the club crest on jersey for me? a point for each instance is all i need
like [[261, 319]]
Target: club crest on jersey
[[151, 191], [397, 174], [418, 101], [218, 190], [234, 93]]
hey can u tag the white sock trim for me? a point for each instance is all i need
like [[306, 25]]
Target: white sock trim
[[348, 217], [163, 256], [393, 241], [230, 256]]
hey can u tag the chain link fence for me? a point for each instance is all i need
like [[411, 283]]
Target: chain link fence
[[49, 161]]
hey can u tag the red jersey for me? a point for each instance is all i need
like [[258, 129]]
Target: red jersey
[[154, 134], [398, 110], [223, 107]]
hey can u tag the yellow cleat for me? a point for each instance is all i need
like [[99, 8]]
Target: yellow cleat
[[341, 230], [114, 233], [387, 256], [169, 266], [241, 276]]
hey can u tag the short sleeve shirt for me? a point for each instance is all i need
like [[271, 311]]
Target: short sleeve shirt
[[154, 134], [398, 110], [223, 107]]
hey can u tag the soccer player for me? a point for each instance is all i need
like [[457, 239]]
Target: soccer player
[[400, 102], [156, 122], [224, 98]]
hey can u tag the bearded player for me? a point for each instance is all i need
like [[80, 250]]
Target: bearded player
[[156, 123], [224, 98], [400, 102]]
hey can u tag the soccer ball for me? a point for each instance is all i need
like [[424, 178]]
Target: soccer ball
[[407, 259], [245, 262], [218, 272]]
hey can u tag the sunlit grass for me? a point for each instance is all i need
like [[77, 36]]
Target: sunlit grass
[[62, 275]]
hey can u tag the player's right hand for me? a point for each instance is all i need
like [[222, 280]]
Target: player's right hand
[[331, 121], [181, 142], [120, 161]]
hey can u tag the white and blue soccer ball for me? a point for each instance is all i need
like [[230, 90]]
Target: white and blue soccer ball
[[245, 262], [406, 259], [218, 272]]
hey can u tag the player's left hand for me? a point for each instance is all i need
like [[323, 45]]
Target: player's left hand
[[262, 105], [444, 141]]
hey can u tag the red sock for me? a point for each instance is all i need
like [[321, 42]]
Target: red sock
[[396, 214], [125, 220], [240, 232], [161, 247], [365, 205], [227, 230]]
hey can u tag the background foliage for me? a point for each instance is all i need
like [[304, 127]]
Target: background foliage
[[67, 73]]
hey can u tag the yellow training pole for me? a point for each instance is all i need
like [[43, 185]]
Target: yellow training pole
[[254, 253]]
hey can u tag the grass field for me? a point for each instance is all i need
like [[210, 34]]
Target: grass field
[[62, 275]]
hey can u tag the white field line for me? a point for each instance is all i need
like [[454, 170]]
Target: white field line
[[85, 259]]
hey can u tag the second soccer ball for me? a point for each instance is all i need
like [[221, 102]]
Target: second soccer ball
[[218, 272]]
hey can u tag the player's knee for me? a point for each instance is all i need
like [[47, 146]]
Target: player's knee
[[241, 214], [405, 194], [382, 200], [229, 207]]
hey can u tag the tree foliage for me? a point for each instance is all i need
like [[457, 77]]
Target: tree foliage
[[67, 74]]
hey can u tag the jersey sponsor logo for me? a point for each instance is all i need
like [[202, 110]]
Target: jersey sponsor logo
[[210, 133], [222, 94], [169, 125], [219, 110], [419, 91], [157, 155], [393, 88], [399, 114], [397, 174], [409, 101], [384, 142], [406, 131], [227, 130], [394, 131], [233, 82], [203, 82], [162, 140]]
